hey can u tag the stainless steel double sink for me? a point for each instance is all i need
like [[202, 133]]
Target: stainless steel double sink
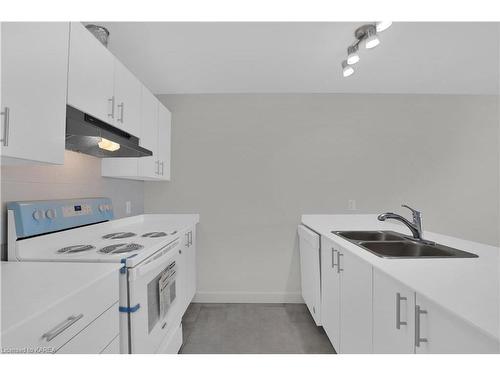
[[389, 244]]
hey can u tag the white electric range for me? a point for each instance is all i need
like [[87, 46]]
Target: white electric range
[[148, 246]]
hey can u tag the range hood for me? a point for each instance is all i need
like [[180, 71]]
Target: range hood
[[89, 135]]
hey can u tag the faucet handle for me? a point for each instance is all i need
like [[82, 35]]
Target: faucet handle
[[417, 215]]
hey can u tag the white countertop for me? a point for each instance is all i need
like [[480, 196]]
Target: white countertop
[[467, 287], [30, 288]]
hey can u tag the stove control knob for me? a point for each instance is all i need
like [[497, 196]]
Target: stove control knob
[[51, 213], [102, 208], [38, 215]]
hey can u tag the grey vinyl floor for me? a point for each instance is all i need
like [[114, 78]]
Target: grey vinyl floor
[[236, 328]]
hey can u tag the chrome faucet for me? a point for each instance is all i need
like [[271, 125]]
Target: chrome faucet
[[415, 226]]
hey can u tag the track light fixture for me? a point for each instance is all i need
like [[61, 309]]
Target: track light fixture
[[383, 25], [347, 70], [352, 54], [368, 34]]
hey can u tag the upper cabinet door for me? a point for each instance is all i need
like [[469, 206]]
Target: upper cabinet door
[[149, 166], [127, 100], [91, 75], [393, 316], [34, 82], [164, 129]]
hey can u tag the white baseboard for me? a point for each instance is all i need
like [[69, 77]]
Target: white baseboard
[[247, 297]]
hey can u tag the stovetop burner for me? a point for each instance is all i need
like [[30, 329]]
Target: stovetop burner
[[120, 248], [75, 249], [118, 235], [154, 234]]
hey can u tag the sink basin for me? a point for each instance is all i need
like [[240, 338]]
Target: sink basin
[[411, 249], [370, 235]]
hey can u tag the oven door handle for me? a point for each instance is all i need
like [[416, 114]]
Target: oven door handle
[[155, 261]]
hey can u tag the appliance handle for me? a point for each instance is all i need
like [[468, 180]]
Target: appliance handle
[[158, 258]]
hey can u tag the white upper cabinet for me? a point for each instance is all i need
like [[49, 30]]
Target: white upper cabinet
[[34, 82], [149, 165], [155, 126], [393, 316], [100, 85], [91, 75], [127, 92], [164, 129]]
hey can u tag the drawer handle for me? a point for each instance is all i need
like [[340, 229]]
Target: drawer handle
[[60, 328], [418, 339], [399, 323]]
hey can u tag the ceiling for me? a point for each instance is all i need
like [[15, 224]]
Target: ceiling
[[288, 57]]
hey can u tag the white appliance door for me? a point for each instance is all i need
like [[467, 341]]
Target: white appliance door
[[310, 271], [153, 299]]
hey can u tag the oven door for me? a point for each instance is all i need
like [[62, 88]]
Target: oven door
[[153, 299]]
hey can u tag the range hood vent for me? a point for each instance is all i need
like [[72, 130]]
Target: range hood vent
[[84, 133]]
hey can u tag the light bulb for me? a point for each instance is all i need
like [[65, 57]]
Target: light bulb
[[371, 39], [383, 25], [352, 55], [347, 70], [108, 145]]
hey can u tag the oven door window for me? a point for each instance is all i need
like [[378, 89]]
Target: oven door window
[[161, 295]]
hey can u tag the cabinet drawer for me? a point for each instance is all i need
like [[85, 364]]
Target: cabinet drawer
[[95, 337], [53, 328], [113, 347]]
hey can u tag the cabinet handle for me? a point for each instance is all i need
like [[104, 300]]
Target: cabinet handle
[[157, 168], [187, 239], [112, 101], [60, 328], [162, 168], [121, 106], [418, 339], [333, 257], [190, 238], [6, 122], [339, 254], [399, 323]]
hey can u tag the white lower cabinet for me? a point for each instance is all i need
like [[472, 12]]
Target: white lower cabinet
[[364, 310], [96, 337], [187, 266], [355, 304], [330, 293], [346, 299], [438, 331], [393, 316], [190, 250], [83, 319]]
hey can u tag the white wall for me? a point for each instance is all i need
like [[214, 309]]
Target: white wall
[[79, 177], [252, 164]]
